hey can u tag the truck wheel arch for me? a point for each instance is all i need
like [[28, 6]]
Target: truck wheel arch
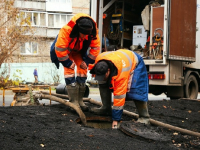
[[191, 84], [188, 73]]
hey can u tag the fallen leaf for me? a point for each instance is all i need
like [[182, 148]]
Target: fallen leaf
[[173, 141], [64, 114], [189, 111], [42, 145], [182, 121], [135, 130], [71, 120], [164, 106], [175, 133], [91, 135], [177, 145]]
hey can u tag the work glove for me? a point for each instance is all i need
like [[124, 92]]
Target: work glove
[[72, 66], [83, 65]]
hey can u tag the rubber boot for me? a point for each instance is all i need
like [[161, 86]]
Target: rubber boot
[[106, 98], [143, 112], [82, 88], [73, 93]]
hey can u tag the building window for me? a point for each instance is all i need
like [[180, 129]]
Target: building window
[[43, 19], [29, 48], [58, 20], [60, 1], [35, 18]]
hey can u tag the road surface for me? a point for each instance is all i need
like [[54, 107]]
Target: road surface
[[95, 96]]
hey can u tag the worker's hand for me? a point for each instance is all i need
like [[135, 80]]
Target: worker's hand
[[114, 124], [83, 65], [72, 66]]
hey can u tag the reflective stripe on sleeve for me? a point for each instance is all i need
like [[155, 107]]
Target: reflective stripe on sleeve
[[95, 48], [63, 58], [63, 49], [92, 56]]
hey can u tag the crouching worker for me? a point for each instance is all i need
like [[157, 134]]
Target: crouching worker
[[122, 72], [77, 45]]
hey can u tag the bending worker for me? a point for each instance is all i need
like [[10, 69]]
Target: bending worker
[[74, 40], [124, 73]]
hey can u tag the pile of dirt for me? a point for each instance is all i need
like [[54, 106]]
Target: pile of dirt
[[55, 127]]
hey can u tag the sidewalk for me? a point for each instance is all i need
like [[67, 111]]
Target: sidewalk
[[94, 92], [7, 92]]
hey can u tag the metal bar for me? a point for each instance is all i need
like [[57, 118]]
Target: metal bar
[[122, 38], [108, 5], [100, 22], [3, 97], [40, 86], [50, 94], [93, 9]]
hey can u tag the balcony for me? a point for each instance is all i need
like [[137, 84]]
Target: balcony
[[31, 5]]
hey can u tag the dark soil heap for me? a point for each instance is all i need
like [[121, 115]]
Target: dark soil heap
[[54, 128]]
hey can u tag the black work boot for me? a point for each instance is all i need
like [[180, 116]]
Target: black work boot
[[142, 111], [73, 93], [82, 88], [106, 98]]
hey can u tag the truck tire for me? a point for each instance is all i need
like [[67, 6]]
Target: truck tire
[[191, 87]]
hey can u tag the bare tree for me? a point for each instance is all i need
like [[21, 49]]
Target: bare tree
[[14, 28]]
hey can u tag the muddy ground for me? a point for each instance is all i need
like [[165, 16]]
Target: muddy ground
[[55, 128]]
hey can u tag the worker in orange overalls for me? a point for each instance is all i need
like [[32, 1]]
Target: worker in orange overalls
[[124, 73], [78, 43]]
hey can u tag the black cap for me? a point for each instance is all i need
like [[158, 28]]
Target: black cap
[[85, 26], [100, 70]]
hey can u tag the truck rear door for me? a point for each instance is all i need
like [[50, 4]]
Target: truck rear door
[[182, 30]]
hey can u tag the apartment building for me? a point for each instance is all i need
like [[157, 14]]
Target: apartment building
[[47, 17]]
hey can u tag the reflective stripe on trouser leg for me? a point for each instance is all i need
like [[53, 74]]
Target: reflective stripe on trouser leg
[[69, 75]]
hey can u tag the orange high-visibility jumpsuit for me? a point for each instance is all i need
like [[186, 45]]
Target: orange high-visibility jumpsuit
[[70, 48], [131, 80]]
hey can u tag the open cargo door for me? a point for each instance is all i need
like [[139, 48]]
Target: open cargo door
[[182, 30]]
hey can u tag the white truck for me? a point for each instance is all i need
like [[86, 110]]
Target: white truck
[[173, 55]]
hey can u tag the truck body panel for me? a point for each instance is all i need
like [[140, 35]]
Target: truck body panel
[[182, 29], [174, 46]]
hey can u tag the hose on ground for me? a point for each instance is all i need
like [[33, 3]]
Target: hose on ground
[[67, 103], [152, 121]]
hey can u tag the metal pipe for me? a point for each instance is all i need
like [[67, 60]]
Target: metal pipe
[[3, 97], [67, 103]]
